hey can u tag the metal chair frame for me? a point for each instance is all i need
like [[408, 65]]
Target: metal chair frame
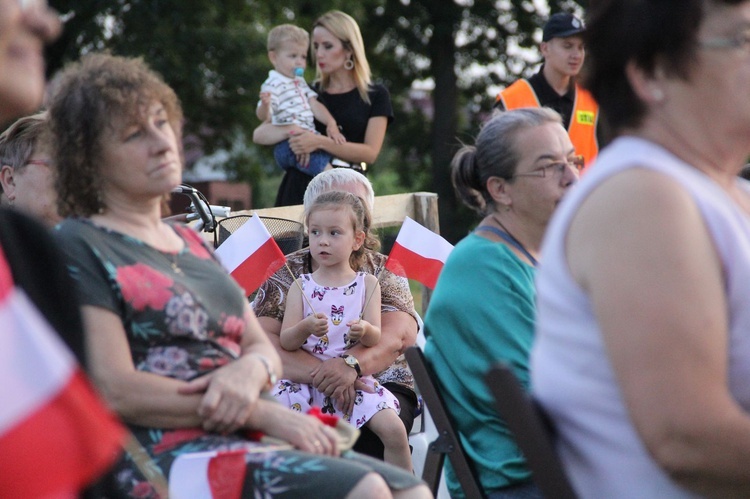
[[447, 443], [288, 234], [532, 432]]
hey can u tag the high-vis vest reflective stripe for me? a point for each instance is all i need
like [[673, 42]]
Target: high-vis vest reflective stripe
[[583, 121]]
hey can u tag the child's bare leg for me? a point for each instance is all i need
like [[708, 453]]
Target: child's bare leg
[[328, 167], [390, 429], [268, 134]]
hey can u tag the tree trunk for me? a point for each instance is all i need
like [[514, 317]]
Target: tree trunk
[[445, 102]]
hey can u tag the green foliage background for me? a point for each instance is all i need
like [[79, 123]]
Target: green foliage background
[[213, 54]]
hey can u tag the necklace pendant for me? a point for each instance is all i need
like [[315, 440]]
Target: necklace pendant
[[176, 268]]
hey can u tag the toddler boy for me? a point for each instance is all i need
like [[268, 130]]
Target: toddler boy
[[287, 100]]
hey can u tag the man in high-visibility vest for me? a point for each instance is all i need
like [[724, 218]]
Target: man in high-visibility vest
[[554, 86]]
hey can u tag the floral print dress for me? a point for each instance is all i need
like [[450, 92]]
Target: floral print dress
[[184, 317]]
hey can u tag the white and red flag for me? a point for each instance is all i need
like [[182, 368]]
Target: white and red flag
[[56, 435], [213, 474], [208, 475], [418, 253], [251, 255]]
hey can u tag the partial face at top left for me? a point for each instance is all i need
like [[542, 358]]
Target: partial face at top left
[[25, 26]]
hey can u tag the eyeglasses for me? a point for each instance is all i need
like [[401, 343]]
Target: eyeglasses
[[738, 41], [555, 169]]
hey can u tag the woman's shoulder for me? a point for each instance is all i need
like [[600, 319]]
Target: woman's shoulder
[[496, 257], [76, 229], [380, 101], [378, 89], [374, 261], [379, 95]]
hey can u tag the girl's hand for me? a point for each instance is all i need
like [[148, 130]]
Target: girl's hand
[[357, 329], [316, 324]]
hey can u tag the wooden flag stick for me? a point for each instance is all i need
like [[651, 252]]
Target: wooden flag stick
[[367, 301], [151, 472], [300, 288]]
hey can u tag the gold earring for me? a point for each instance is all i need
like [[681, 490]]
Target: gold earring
[[349, 65]]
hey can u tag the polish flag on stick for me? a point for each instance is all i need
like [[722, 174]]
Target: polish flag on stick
[[251, 255], [418, 253], [213, 474], [56, 436]]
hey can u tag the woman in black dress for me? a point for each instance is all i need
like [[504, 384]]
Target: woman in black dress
[[344, 84]]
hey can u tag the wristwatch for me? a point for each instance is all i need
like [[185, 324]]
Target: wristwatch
[[272, 378], [352, 362]]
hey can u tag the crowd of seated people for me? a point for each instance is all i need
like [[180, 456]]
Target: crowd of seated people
[[617, 301]]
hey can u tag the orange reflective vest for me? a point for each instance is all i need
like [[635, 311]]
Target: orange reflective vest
[[582, 128]]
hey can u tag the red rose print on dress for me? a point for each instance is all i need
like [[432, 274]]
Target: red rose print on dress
[[233, 328], [143, 286], [143, 490], [230, 346]]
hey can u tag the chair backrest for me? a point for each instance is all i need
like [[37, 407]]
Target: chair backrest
[[447, 443], [288, 234], [527, 423]]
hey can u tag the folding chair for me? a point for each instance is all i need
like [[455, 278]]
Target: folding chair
[[527, 423], [447, 443], [288, 234]]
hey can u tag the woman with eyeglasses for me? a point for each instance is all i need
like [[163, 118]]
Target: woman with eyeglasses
[[642, 357], [26, 171], [482, 310]]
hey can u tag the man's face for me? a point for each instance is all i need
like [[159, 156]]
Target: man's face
[[564, 55]]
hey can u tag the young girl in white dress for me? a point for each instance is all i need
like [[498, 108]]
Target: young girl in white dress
[[345, 310]]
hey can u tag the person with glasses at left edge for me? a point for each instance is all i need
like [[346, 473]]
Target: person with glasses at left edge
[[483, 310], [25, 175]]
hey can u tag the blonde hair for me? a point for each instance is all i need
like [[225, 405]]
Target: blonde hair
[[285, 33], [346, 29]]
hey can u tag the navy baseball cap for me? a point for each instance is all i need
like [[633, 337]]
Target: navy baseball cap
[[562, 25]]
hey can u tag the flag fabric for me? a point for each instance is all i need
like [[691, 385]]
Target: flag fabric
[[56, 435], [251, 255], [208, 475], [418, 253], [214, 474]]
